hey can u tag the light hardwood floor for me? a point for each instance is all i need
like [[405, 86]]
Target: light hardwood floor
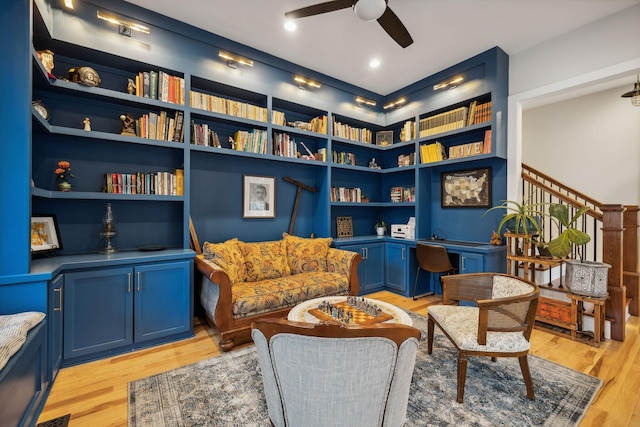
[[95, 393]]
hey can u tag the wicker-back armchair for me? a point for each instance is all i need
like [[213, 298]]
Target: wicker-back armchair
[[498, 323]]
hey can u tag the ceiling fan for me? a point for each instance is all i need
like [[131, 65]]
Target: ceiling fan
[[367, 10]]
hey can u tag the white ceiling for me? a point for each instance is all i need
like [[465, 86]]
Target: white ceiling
[[340, 45]]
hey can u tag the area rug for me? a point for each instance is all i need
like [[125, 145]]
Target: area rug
[[227, 391]]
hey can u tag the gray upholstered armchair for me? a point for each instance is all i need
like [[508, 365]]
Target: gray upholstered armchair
[[330, 375], [499, 323]]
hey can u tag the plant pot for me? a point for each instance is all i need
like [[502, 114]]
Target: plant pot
[[587, 277], [64, 186], [511, 226], [380, 231]]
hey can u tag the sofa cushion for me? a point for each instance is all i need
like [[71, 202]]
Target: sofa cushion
[[227, 257], [307, 255], [264, 260], [504, 287], [251, 298]]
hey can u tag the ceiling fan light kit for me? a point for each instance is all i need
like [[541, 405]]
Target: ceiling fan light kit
[[634, 94], [367, 10]]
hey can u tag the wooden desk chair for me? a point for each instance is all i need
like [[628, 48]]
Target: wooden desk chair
[[434, 259], [499, 326], [322, 375]]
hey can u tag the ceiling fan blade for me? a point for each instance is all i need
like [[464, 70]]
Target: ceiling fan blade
[[394, 27], [319, 8]]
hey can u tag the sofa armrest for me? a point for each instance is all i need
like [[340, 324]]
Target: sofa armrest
[[345, 262], [219, 278]]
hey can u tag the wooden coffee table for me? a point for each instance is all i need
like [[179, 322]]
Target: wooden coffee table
[[300, 312]]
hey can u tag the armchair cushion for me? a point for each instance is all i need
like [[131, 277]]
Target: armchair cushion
[[264, 260], [307, 255], [227, 257], [462, 327], [504, 287]]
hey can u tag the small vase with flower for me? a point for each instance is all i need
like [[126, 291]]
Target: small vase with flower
[[63, 172]]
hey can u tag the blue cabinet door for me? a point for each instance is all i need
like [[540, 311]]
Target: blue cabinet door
[[54, 314], [396, 263], [471, 263], [371, 268], [162, 300], [98, 311]]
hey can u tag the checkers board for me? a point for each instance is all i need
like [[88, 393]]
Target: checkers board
[[359, 316]]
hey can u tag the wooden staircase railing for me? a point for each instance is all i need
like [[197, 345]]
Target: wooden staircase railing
[[614, 240]]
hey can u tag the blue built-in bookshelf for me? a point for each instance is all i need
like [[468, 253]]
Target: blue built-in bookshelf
[[212, 187], [213, 191]]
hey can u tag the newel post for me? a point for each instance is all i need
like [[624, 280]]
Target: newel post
[[612, 249], [630, 267]]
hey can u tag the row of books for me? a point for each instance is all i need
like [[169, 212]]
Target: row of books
[[344, 194], [479, 113], [161, 86], [251, 142], [284, 145], [354, 134], [434, 152], [406, 159], [344, 158], [159, 183], [408, 131], [202, 135], [230, 107], [161, 126], [403, 194], [444, 122]]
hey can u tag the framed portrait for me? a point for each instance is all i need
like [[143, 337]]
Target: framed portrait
[[258, 196], [466, 189], [384, 137], [45, 236]]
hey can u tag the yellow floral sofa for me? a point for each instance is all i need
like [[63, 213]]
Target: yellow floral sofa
[[242, 282]]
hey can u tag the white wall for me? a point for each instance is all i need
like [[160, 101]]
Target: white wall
[[591, 143], [564, 68]]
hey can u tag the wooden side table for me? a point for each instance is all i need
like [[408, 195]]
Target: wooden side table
[[577, 308]]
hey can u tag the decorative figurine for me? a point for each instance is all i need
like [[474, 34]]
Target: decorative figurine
[[46, 57], [495, 239], [373, 164], [128, 125], [131, 87], [87, 124]]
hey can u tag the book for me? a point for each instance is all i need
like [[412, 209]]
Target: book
[[179, 182], [145, 84], [153, 85], [487, 142]]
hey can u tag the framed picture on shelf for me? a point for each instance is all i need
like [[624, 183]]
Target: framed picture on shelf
[[344, 226], [258, 196], [384, 137], [45, 237], [466, 189]]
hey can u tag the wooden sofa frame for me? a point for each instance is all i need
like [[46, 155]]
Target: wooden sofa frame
[[235, 331]]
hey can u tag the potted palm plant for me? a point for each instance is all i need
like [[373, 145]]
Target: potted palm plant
[[520, 218]]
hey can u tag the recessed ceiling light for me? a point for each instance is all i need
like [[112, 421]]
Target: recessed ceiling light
[[374, 63], [290, 26]]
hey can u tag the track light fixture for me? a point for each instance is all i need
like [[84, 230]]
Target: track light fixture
[[395, 103], [360, 100], [124, 27], [233, 60], [449, 84], [634, 94], [302, 82]]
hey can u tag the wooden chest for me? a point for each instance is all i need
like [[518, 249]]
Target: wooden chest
[[554, 311]]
